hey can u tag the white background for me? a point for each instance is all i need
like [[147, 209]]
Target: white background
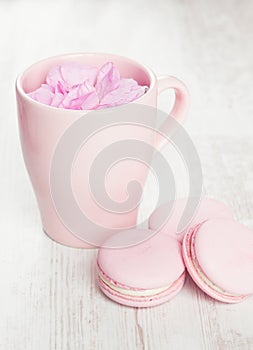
[[48, 294]]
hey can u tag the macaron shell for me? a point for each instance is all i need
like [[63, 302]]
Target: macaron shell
[[143, 302], [198, 279], [224, 250], [155, 263], [166, 222]]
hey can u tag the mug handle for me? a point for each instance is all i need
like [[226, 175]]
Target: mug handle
[[180, 108]]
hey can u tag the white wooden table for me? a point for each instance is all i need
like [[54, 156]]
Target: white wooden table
[[48, 293]]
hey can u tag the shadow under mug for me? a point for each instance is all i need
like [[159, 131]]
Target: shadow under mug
[[41, 128]]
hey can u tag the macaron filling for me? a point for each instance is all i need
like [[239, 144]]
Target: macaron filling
[[200, 272], [125, 291]]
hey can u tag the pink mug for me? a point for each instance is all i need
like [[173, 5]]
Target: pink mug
[[42, 126]]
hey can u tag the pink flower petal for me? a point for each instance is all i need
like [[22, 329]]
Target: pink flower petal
[[48, 87], [128, 91], [60, 88], [108, 79], [70, 74], [83, 96], [57, 99], [54, 76], [43, 95], [74, 73], [91, 101]]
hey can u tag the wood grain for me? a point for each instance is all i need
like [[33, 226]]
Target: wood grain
[[49, 296]]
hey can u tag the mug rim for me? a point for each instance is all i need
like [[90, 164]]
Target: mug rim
[[20, 90]]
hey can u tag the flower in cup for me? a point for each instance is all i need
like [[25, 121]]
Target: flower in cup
[[73, 85]]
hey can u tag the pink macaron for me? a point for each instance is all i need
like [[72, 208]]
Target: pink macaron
[[165, 221], [218, 255], [147, 274]]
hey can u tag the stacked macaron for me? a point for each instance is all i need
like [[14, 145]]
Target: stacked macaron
[[216, 251], [218, 255], [146, 274], [165, 220]]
